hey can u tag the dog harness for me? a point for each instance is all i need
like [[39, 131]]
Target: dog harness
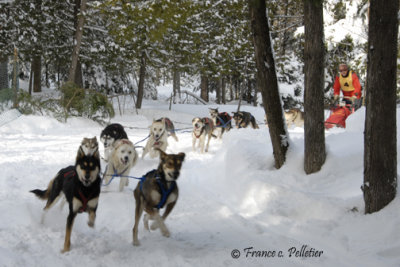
[[165, 192], [70, 174], [206, 121], [220, 122], [158, 143]]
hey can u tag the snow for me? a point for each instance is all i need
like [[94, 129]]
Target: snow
[[230, 198]]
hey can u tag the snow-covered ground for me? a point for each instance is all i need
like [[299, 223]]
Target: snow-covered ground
[[232, 200]]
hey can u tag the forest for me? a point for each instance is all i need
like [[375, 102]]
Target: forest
[[203, 45]]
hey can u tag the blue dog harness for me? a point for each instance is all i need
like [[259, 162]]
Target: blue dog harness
[[165, 192]]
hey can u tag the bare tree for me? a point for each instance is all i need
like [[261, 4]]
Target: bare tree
[[267, 80], [314, 54], [380, 145]]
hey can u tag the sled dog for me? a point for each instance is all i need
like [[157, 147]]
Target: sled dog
[[169, 126], [80, 184], [158, 137], [243, 119], [222, 121], [109, 135], [157, 189], [295, 117], [202, 128], [88, 147], [123, 158]]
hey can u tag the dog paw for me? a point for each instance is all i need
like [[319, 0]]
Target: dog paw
[[91, 224], [166, 233], [136, 243], [65, 250], [154, 226]]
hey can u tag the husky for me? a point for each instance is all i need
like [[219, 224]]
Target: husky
[[109, 135], [158, 137], [123, 158], [157, 189], [80, 184], [202, 128], [295, 117], [169, 126], [222, 121], [243, 119], [88, 147]]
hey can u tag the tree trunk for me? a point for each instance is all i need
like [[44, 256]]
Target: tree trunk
[[142, 76], [77, 41], [314, 130], [218, 90], [37, 73], [223, 90], [176, 84], [380, 145], [4, 83], [37, 57], [267, 80], [204, 88]]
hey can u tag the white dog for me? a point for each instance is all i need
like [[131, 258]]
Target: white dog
[[158, 139], [202, 127], [123, 158]]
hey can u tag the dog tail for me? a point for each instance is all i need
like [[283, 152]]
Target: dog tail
[[42, 194]]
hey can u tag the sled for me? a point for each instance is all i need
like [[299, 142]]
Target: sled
[[338, 115]]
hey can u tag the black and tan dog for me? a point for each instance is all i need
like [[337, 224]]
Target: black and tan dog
[[80, 185], [243, 119], [157, 189]]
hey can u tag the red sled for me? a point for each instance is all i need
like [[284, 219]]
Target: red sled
[[338, 116]]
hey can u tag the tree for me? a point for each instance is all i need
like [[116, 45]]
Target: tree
[[380, 145], [267, 80], [77, 43], [314, 130]]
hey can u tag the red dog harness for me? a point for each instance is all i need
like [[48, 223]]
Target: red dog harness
[[82, 197]]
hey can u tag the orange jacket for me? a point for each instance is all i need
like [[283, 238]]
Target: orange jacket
[[353, 89]]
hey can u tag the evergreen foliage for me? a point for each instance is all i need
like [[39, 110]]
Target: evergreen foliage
[[195, 38]]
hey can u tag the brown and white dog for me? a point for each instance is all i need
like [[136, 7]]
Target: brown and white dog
[[202, 128], [157, 189], [293, 116], [123, 158], [222, 121]]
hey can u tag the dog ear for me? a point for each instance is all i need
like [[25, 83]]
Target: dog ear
[[96, 154], [182, 156], [80, 153], [162, 154]]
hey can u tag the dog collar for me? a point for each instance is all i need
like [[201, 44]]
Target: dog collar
[[159, 136], [201, 132]]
